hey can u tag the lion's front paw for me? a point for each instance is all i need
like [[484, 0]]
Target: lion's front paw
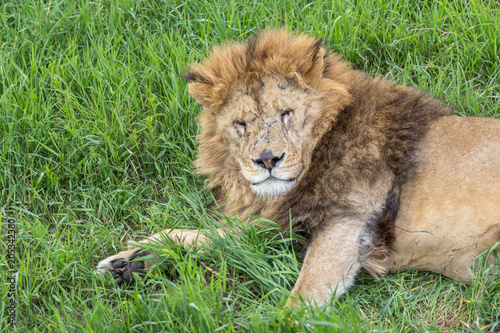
[[122, 265]]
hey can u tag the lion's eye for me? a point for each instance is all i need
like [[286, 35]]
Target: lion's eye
[[240, 126], [286, 115]]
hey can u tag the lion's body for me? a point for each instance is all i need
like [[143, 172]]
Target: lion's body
[[451, 212], [377, 175]]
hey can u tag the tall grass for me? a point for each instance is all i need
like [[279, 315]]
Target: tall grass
[[97, 139]]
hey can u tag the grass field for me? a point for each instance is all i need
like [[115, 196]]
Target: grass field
[[97, 139]]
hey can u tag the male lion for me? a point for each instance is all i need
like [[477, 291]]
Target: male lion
[[377, 175]]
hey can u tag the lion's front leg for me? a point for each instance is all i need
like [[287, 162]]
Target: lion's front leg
[[123, 264], [331, 264]]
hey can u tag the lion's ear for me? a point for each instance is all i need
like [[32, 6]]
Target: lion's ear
[[313, 63], [200, 86]]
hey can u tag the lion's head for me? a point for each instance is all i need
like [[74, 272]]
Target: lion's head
[[265, 104]]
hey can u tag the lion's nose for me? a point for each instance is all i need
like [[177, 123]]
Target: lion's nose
[[267, 160]]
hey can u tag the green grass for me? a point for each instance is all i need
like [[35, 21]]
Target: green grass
[[97, 139]]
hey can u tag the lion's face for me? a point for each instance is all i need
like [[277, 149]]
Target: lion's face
[[266, 131]]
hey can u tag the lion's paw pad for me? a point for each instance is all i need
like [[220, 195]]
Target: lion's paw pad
[[122, 266]]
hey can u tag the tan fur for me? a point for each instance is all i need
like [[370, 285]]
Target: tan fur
[[376, 175], [451, 212]]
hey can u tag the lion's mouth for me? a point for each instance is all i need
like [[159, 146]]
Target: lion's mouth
[[272, 179], [272, 188]]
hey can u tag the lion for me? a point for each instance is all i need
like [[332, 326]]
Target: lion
[[377, 176]]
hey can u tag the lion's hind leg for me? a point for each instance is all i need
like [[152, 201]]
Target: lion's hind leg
[[122, 265]]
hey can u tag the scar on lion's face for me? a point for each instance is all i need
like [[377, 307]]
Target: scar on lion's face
[[265, 132]]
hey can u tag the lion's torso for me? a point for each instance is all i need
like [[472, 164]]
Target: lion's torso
[[450, 213]]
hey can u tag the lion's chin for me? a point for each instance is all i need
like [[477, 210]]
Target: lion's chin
[[273, 188]]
